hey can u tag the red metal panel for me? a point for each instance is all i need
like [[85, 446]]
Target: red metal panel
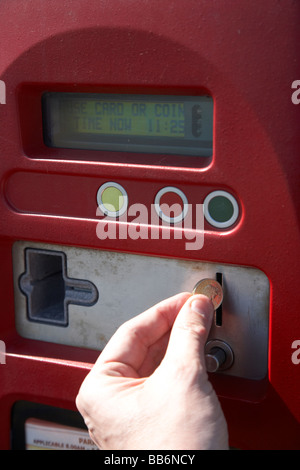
[[245, 54]]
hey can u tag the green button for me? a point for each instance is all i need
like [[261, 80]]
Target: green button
[[220, 209]]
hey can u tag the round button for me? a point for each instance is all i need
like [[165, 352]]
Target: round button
[[221, 209], [171, 204], [218, 356], [214, 359], [112, 199]]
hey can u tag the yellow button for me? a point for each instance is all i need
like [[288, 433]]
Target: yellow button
[[112, 199]]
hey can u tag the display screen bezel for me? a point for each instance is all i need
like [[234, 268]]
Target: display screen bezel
[[56, 136]]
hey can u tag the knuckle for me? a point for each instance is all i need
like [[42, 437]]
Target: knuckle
[[194, 328]]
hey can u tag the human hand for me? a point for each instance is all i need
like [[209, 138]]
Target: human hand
[[149, 388]]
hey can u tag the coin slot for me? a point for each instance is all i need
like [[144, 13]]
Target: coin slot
[[219, 311]]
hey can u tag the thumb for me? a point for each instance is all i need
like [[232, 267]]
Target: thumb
[[189, 334]]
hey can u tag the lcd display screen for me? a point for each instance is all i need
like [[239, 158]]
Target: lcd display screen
[[179, 125]]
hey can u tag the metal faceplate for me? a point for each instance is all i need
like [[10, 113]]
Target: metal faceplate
[[128, 284]]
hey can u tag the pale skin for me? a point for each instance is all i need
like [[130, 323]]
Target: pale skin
[[149, 388]]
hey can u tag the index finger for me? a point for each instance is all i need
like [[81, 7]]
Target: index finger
[[130, 343]]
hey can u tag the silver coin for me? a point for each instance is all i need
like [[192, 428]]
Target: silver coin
[[211, 289]]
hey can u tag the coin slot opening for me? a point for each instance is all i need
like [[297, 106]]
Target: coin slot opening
[[219, 311]]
